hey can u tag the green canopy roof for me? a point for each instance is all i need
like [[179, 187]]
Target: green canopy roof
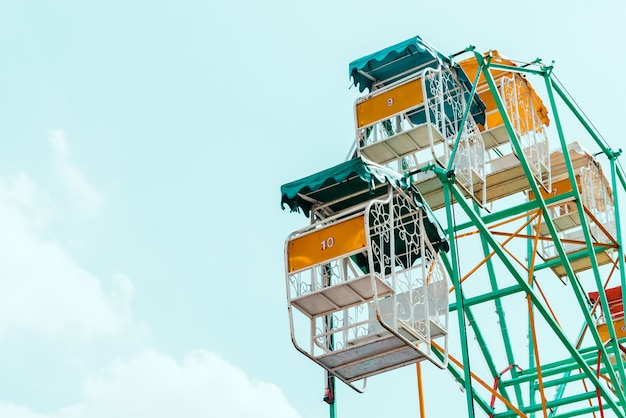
[[387, 63], [403, 59], [356, 177]]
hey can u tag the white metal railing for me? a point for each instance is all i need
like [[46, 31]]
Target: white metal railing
[[528, 127], [409, 263], [399, 255], [597, 197]]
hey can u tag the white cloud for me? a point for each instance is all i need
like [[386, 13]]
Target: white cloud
[[44, 291], [155, 385], [86, 200], [24, 196], [16, 411], [41, 287]]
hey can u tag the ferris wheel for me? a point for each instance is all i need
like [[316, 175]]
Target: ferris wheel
[[471, 229]]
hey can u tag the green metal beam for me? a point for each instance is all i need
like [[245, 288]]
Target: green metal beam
[[466, 113], [581, 118], [572, 257], [618, 229], [532, 343], [501, 215], [458, 293], [589, 355], [501, 318], [569, 378], [486, 297], [484, 347], [482, 343], [515, 210], [551, 404], [622, 180], [583, 411], [515, 69]]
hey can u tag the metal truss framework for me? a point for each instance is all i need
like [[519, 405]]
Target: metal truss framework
[[570, 372]]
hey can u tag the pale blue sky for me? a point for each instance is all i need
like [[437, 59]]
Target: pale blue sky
[[144, 144]]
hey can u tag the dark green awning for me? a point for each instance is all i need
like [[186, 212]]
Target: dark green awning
[[397, 59], [357, 177]]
